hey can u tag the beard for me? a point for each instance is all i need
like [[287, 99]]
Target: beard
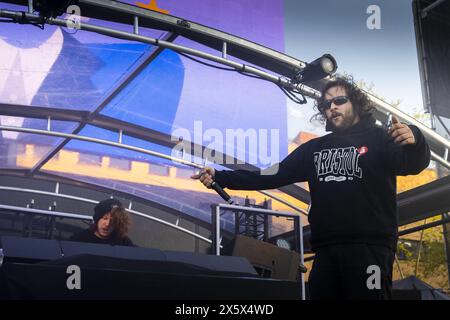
[[344, 125]]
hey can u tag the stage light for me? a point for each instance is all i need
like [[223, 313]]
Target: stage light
[[318, 69], [52, 8]]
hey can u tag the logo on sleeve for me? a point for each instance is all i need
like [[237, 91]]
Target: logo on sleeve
[[339, 164], [363, 150]]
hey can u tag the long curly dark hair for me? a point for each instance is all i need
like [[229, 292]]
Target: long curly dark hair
[[121, 222], [362, 106]]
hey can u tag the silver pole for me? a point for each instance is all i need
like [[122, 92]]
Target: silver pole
[[307, 91], [46, 212], [30, 6], [428, 133], [120, 136], [250, 209], [281, 200], [217, 226], [136, 25], [439, 159], [224, 50], [60, 195], [124, 146], [49, 123], [100, 141], [302, 260], [47, 193]]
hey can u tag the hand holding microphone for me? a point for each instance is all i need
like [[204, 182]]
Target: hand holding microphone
[[206, 176]]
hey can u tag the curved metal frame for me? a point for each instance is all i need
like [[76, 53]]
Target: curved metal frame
[[278, 80], [136, 17], [132, 148], [228, 44], [67, 215], [139, 132], [199, 33], [45, 212], [59, 180], [430, 134]]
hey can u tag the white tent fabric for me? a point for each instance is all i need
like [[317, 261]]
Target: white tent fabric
[[427, 292]]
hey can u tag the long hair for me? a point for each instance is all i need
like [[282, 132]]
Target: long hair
[[121, 222], [362, 106]]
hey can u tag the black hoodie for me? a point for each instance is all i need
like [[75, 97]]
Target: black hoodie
[[352, 181]]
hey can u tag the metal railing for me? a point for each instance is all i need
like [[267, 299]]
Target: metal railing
[[70, 215], [132, 148], [216, 213]]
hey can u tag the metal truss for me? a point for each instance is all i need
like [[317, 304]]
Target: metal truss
[[142, 133], [126, 79]]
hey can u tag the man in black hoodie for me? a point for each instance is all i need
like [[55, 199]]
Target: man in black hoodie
[[351, 174]]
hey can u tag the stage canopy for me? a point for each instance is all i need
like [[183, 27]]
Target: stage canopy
[[143, 96]]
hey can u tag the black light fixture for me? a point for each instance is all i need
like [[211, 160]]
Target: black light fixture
[[52, 8], [318, 69]]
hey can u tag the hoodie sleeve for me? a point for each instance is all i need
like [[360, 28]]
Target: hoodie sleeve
[[408, 159], [292, 169]]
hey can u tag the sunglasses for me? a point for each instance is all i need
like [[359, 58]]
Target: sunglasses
[[324, 105]]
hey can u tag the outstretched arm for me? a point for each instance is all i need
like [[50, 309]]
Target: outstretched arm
[[292, 169]]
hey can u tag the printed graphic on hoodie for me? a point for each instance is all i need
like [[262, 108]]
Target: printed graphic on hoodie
[[339, 164]]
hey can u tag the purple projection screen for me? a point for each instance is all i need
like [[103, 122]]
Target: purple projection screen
[[77, 70], [60, 68]]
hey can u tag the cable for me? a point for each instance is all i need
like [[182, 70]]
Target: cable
[[251, 75], [205, 63], [23, 20], [291, 94], [288, 92], [40, 26]]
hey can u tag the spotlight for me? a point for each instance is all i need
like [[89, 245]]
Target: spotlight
[[52, 8], [318, 69]]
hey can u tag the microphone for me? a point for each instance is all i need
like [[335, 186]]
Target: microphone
[[225, 196], [217, 188]]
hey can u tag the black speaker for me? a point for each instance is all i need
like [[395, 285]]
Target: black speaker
[[269, 260], [38, 269], [432, 30], [28, 249]]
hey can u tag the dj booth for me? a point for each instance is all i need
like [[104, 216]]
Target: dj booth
[[47, 269]]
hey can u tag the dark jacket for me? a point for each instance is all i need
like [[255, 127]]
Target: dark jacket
[[89, 236], [352, 180]]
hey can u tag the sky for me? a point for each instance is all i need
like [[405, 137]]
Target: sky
[[385, 58]]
